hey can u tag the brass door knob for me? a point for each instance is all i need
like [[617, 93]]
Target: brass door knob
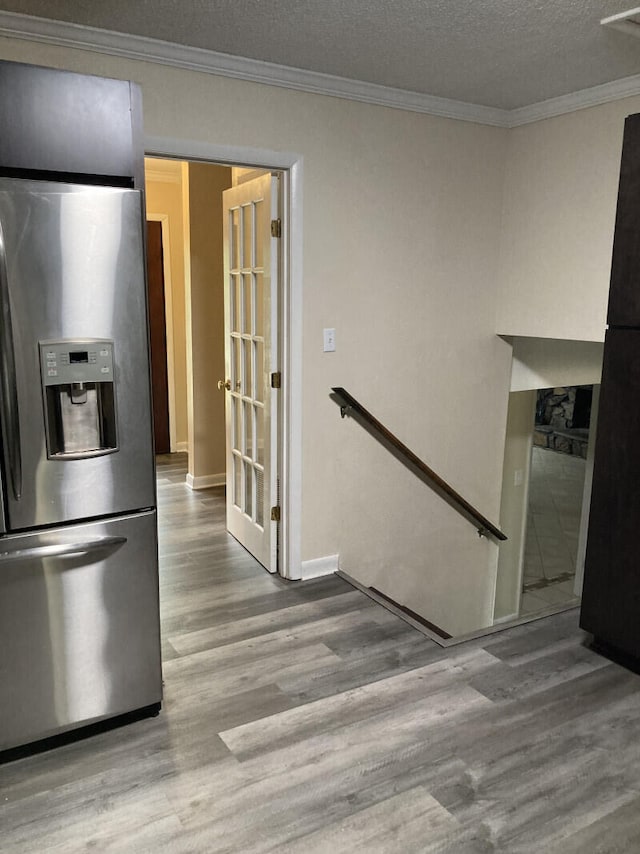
[[224, 384]]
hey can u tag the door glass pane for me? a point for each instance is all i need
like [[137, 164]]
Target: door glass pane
[[259, 370], [237, 423], [259, 328], [248, 497], [235, 297], [248, 368], [259, 213], [237, 481], [248, 303], [234, 216], [259, 475], [247, 236], [248, 429], [260, 434], [236, 365]]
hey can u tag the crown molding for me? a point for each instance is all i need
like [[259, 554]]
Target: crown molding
[[624, 22], [44, 30], [626, 87], [80, 37]]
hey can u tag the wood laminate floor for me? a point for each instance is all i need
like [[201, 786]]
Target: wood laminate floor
[[302, 717]]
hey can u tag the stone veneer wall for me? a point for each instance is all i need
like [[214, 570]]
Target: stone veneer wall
[[562, 419]]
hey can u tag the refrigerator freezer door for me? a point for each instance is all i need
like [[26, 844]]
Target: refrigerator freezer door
[[79, 627], [72, 267]]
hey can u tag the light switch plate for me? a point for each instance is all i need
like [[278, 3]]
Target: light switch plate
[[329, 340]]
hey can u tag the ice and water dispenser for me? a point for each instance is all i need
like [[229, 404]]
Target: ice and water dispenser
[[79, 397]]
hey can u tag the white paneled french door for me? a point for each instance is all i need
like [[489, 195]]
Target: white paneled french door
[[251, 265]]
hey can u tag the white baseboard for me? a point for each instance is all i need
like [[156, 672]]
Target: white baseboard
[[181, 448], [319, 566], [507, 619], [206, 481]]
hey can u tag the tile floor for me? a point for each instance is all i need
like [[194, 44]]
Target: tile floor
[[555, 505]]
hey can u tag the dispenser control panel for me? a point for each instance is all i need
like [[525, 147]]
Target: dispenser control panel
[[63, 362], [79, 398]]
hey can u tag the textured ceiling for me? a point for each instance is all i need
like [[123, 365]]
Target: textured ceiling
[[499, 53]]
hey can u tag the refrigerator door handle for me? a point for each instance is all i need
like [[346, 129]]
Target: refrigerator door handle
[[8, 383], [62, 549]]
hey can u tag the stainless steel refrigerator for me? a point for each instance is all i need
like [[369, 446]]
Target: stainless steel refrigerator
[[79, 616]]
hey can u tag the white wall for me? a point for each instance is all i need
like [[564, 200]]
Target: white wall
[[545, 363], [402, 221], [515, 499], [561, 184], [205, 324], [401, 228]]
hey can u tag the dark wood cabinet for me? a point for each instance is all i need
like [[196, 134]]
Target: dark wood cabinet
[[611, 591], [624, 291]]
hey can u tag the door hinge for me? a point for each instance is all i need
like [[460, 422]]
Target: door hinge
[[276, 380], [276, 228], [275, 514]]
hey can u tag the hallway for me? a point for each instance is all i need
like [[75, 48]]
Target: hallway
[[302, 717]]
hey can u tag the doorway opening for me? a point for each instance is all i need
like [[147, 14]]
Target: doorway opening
[[158, 294], [556, 495], [546, 494], [202, 357]]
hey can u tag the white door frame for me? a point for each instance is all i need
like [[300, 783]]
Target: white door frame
[[290, 317]]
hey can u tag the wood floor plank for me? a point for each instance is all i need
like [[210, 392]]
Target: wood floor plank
[[614, 832], [535, 637], [510, 681], [213, 676], [263, 624], [358, 744], [400, 823], [319, 717]]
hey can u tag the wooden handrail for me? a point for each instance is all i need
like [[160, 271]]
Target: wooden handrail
[[350, 406]]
